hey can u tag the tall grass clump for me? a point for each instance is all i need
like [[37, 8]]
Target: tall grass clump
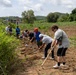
[[7, 51]]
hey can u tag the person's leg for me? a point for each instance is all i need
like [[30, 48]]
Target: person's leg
[[63, 60], [45, 52], [58, 58], [38, 44], [17, 35], [63, 56], [52, 53], [46, 49]]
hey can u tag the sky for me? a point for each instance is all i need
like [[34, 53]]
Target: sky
[[40, 7]]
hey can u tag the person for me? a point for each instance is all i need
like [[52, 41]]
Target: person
[[25, 33], [63, 43], [48, 41], [7, 29], [37, 33], [22, 35], [31, 36], [10, 30], [17, 32]]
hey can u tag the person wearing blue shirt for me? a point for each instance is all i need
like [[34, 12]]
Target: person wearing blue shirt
[[37, 33], [17, 32]]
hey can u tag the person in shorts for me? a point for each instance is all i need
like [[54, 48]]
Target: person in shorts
[[63, 43]]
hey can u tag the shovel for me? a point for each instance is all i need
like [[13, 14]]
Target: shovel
[[47, 56]]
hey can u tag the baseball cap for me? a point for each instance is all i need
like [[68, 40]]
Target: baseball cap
[[41, 35], [35, 29]]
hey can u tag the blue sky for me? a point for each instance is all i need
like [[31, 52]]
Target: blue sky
[[40, 7]]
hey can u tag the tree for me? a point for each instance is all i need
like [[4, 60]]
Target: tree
[[28, 16], [64, 18], [74, 11], [73, 15], [52, 17]]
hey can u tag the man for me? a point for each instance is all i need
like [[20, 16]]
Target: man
[[7, 29], [10, 30], [31, 36], [63, 44], [37, 33], [46, 40], [17, 32]]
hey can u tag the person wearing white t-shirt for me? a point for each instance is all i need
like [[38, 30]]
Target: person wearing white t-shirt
[[7, 29], [46, 40], [63, 43]]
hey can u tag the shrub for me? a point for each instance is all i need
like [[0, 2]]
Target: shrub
[[7, 51]]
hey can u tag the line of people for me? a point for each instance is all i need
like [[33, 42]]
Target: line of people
[[60, 40]]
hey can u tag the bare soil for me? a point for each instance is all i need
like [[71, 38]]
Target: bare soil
[[31, 58]]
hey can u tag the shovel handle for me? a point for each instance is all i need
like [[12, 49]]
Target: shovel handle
[[46, 57]]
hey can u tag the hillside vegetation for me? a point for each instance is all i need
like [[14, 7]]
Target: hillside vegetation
[[7, 51]]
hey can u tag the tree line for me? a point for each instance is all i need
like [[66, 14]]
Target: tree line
[[29, 17]]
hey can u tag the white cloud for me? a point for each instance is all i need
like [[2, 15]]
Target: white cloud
[[44, 1], [54, 2], [28, 4], [58, 2], [6, 3], [36, 8], [25, 2], [67, 3], [40, 7]]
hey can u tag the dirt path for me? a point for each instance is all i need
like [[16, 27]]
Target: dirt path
[[32, 59], [32, 62]]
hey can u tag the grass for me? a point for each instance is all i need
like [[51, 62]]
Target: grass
[[45, 25], [7, 50], [73, 41]]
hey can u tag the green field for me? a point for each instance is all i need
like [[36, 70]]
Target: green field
[[8, 43], [45, 25]]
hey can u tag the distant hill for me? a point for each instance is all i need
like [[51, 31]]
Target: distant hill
[[40, 17], [10, 17], [44, 17]]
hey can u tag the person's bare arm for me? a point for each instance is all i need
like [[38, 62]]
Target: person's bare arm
[[54, 43]]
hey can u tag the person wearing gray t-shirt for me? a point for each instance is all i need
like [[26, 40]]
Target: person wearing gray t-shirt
[[61, 39], [46, 40]]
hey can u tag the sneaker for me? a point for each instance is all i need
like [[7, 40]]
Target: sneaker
[[26, 45], [43, 57], [56, 66], [63, 65], [51, 58]]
